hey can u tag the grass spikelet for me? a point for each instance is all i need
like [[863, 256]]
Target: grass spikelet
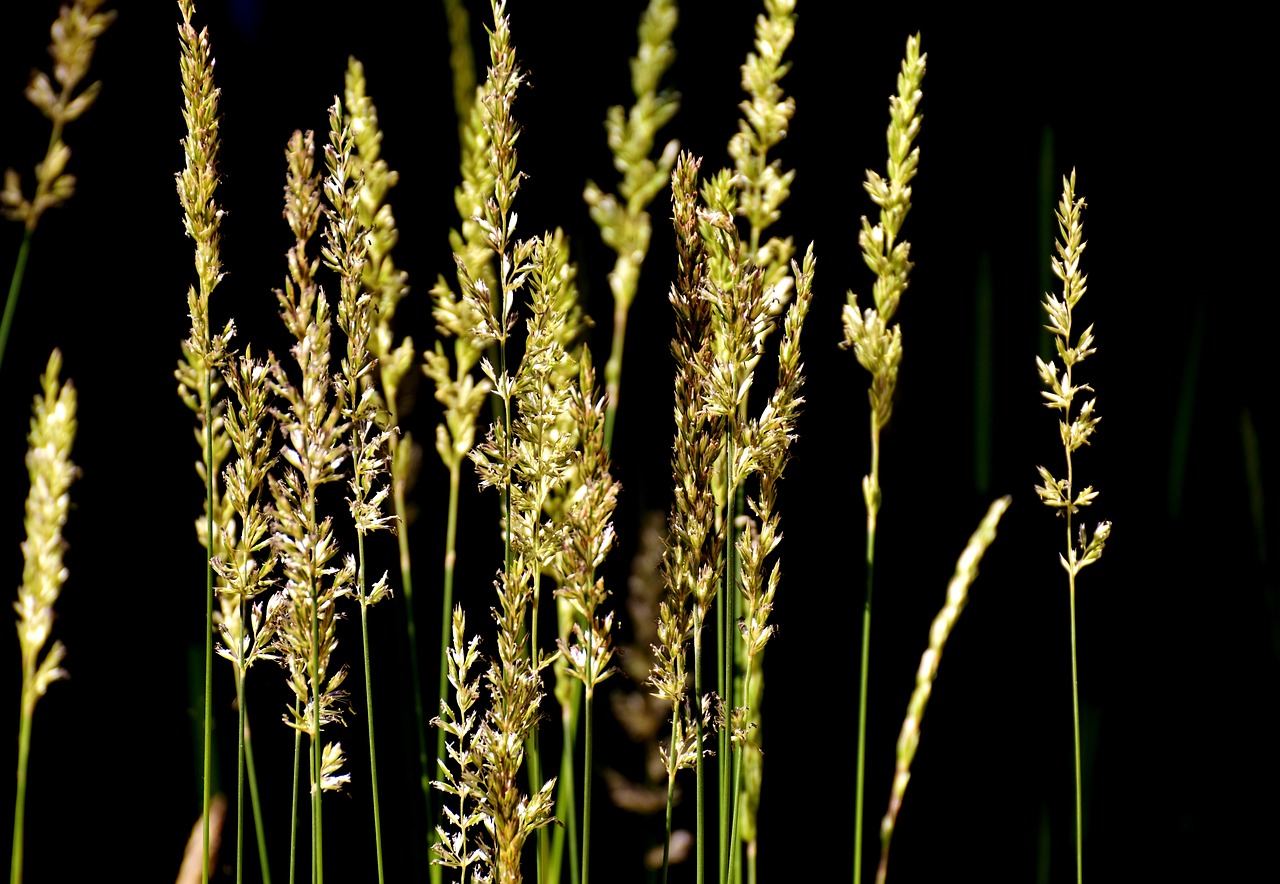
[[49, 467], [909, 739]]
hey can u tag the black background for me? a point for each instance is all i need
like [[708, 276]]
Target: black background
[[1177, 625]]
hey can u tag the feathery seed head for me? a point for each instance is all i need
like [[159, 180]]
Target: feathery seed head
[[1076, 431], [49, 466], [74, 36]]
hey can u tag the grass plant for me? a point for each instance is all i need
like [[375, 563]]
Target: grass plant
[[204, 351], [1065, 496], [878, 346], [305, 458]]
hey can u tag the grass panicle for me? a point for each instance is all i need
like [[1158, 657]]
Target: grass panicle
[[1075, 430], [245, 564], [878, 345], [311, 425], [624, 224], [74, 37], [453, 848], [204, 351], [346, 252], [51, 472], [589, 538], [909, 738], [284, 441]]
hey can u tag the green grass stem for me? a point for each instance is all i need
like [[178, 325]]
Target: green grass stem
[[20, 802], [208, 623], [446, 609], [871, 491], [613, 370], [565, 838], [15, 286], [368, 694], [671, 785], [254, 801], [415, 676], [240, 769], [586, 776], [699, 847], [1075, 720], [293, 817], [733, 867], [317, 764]]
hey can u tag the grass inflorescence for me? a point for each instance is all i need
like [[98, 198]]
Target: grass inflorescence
[[308, 462]]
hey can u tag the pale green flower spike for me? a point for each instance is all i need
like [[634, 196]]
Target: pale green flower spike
[[878, 345], [909, 738], [49, 466], [1061, 494]]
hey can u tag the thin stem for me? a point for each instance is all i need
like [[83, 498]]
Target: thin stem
[[208, 623], [293, 818], [311, 772], [727, 652], [671, 785], [571, 738], [698, 724], [566, 786], [20, 803], [368, 693], [240, 769], [737, 781], [586, 773], [1075, 717], [15, 286], [446, 609], [252, 771], [873, 507], [532, 747], [613, 372], [317, 766], [415, 676]]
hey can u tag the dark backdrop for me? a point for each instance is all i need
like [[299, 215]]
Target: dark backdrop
[[1177, 625]]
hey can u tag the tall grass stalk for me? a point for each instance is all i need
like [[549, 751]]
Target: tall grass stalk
[[457, 389], [624, 224], [909, 738], [590, 536], [1061, 494], [755, 194], [878, 347], [74, 36], [346, 252], [247, 633], [311, 425], [383, 285], [691, 560], [49, 467], [203, 351], [293, 816], [255, 801]]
